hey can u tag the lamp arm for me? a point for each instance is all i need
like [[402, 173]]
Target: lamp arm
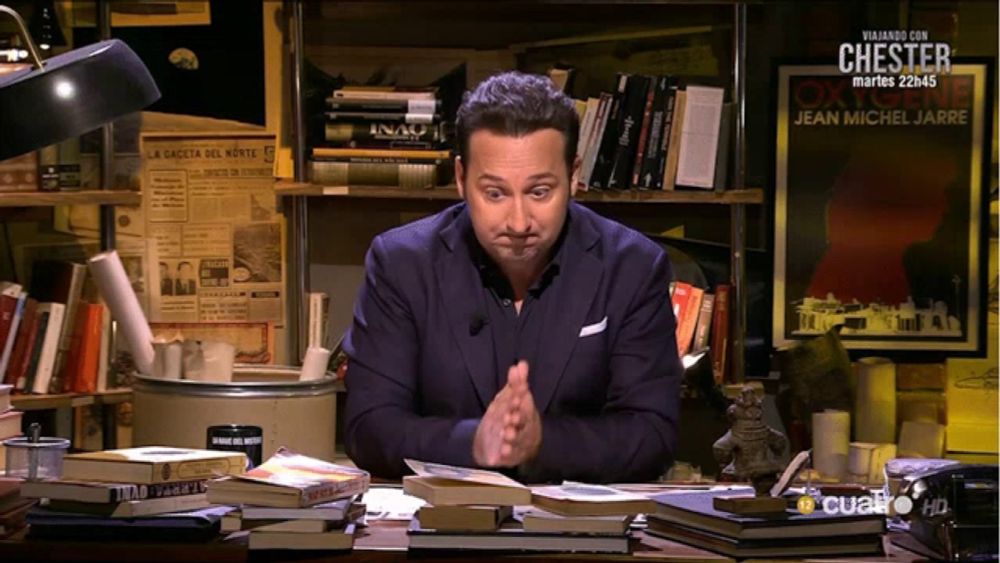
[[24, 35]]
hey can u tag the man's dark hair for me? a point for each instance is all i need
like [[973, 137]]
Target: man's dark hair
[[516, 104]]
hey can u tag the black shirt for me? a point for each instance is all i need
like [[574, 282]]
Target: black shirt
[[516, 336]]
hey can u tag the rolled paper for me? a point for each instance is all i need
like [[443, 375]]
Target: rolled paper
[[831, 437], [315, 363], [116, 290], [209, 361], [875, 401]]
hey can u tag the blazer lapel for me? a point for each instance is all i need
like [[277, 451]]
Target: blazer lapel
[[583, 271], [462, 298]]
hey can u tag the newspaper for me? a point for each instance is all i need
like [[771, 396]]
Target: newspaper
[[210, 211]]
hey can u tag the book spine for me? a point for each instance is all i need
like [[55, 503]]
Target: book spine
[[720, 333], [323, 492], [609, 138], [181, 488], [674, 149], [647, 116], [628, 132], [31, 371], [382, 133], [688, 321], [594, 139], [646, 166], [669, 103], [365, 116], [9, 297], [412, 176], [17, 369], [704, 325], [194, 470], [725, 140], [49, 349], [371, 94], [328, 152], [381, 160], [383, 105], [11, 337]]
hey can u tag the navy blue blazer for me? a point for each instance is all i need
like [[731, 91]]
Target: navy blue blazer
[[419, 380]]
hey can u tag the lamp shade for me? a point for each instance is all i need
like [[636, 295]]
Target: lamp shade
[[75, 92]]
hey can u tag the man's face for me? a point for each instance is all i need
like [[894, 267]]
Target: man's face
[[517, 190]]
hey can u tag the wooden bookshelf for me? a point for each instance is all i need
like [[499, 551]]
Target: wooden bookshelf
[[84, 197], [752, 196], [69, 400]]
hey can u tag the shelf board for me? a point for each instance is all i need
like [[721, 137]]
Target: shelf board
[[65, 400], [84, 197], [752, 196]]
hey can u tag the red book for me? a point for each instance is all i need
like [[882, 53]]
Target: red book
[[688, 320], [90, 348], [720, 333], [17, 368], [9, 293]]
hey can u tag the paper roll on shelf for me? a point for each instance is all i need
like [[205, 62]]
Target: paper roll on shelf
[[116, 290], [831, 436], [315, 363], [875, 402]]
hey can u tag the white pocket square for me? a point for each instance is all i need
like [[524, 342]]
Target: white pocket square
[[595, 328]]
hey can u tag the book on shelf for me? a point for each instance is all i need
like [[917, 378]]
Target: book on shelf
[[720, 333], [132, 508], [726, 120], [586, 124], [24, 343], [336, 540], [415, 154], [688, 319], [585, 499], [107, 493], [673, 140], [696, 161], [10, 424], [629, 125], [289, 480], [46, 346], [401, 175], [59, 281], [386, 93], [594, 137], [5, 404], [541, 521], [383, 105], [607, 145], [151, 465], [512, 537], [368, 116], [704, 324], [648, 173], [481, 518], [640, 146], [83, 361], [11, 331], [386, 134]]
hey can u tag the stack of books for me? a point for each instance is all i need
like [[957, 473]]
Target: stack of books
[[13, 507], [690, 518], [10, 422], [104, 489], [382, 136], [293, 502], [470, 509]]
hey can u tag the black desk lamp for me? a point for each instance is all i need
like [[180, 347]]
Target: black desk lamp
[[69, 94]]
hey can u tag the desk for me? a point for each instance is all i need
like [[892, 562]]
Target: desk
[[382, 542]]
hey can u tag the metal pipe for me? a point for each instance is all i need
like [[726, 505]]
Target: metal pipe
[[107, 221], [298, 227], [36, 59], [737, 212]]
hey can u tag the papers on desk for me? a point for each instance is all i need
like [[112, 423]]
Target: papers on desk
[[390, 503]]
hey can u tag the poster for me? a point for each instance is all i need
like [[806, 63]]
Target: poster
[[210, 213], [879, 203]]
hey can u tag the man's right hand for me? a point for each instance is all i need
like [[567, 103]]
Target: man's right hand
[[501, 424]]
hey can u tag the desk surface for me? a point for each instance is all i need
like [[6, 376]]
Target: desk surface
[[382, 542]]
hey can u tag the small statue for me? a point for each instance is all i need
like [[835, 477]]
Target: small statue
[[750, 447]]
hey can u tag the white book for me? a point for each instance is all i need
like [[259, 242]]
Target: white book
[[50, 344], [700, 137], [589, 117], [594, 140], [319, 305]]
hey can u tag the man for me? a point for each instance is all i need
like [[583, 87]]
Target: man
[[185, 283], [517, 329]]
